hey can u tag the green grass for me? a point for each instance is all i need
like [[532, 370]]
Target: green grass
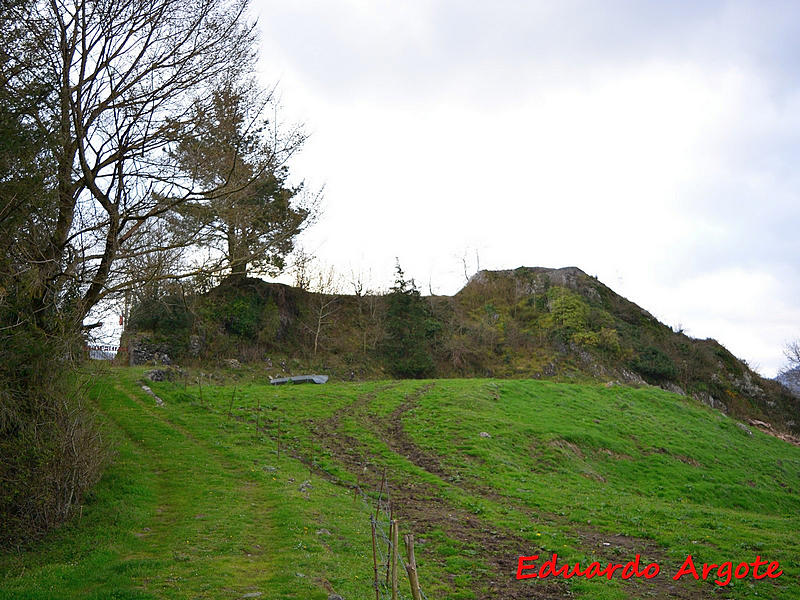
[[203, 498]]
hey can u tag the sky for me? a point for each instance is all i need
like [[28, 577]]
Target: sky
[[652, 144]]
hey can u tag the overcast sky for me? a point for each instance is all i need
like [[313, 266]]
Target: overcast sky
[[652, 144]]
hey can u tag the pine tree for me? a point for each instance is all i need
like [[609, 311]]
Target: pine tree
[[409, 329]]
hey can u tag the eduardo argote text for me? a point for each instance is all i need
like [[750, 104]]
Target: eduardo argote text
[[529, 567]]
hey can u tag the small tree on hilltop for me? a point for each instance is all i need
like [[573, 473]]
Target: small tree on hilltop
[[409, 328]]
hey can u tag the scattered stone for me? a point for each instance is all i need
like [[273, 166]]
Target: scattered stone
[[270, 468], [484, 434], [252, 595], [232, 363], [744, 428], [159, 401], [335, 597], [305, 486], [160, 375], [299, 574], [323, 532], [144, 352]]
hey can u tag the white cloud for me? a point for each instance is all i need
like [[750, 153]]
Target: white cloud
[[651, 144]]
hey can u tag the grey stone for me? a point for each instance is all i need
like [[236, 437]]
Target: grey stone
[[159, 375], [147, 390], [323, 531], [484, 434], [744, 428], [335, 597]]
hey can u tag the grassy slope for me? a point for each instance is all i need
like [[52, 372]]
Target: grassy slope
[[199, 504]]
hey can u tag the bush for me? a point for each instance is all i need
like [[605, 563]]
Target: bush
[[168, 314], [654, 364], [52, 450], [569, 313]]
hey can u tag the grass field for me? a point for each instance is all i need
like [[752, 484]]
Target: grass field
[[241, 489]]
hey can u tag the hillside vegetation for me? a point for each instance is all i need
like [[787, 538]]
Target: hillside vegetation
[[238, 489], [529, 322]]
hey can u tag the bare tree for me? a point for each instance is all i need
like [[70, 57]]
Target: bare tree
[[119, 79], [369, 309], [325, 303], [792, 353], [302, 268]]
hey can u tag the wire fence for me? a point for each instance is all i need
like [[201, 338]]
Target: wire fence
[[380, 517]]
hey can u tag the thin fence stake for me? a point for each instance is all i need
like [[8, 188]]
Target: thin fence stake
[[391, 543], [375, 561], [380, 494], [411, 567], [230, 407], [395, 535]]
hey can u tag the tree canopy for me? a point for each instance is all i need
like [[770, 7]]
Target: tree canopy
[[251, 215]]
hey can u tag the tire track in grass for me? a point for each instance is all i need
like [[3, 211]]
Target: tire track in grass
[[420, 506], [606, 548], [423, 506]]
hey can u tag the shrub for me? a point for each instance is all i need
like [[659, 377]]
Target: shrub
[[409, 329], [52, 450], [654, 364], [569, 313], [168, 314]]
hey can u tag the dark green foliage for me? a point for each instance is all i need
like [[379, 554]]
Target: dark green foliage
[[168, 315], [406, 349], [50, 449], [652, 363]]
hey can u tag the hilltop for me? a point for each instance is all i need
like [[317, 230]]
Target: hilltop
[[530, 322]]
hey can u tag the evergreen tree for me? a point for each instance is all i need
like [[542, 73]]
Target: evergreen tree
[[409, 329]]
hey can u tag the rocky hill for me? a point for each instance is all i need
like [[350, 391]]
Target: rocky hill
[[530, 322]]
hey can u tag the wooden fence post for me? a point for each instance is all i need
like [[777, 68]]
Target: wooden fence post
[[375, 561], [390, 545], [230, 407], [395, 536], [411, 567]]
